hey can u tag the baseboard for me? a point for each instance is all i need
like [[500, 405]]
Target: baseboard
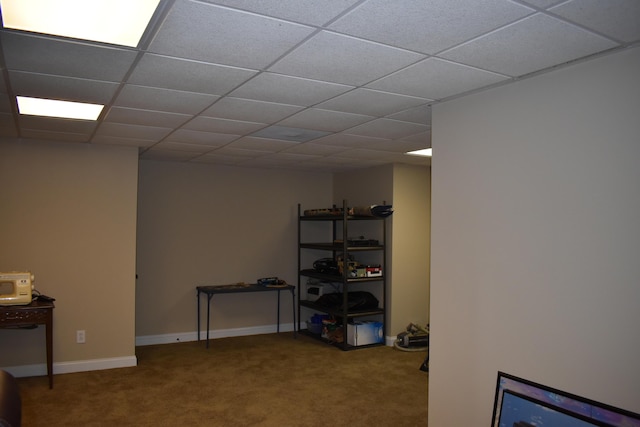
[[71, 367], [124, 362], [213, 334]]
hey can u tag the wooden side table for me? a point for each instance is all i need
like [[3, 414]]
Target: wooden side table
[[36, 313]]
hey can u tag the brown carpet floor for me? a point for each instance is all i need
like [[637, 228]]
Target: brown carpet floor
[[264, 380]]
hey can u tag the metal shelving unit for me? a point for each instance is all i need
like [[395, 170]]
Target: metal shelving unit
[[339, 244]]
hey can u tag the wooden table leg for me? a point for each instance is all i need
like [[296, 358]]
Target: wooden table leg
[[49, 334]]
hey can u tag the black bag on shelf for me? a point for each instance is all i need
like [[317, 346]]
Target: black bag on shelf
[[356, 300]]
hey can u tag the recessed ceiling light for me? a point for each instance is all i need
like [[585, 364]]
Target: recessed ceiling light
[[119, 22], [61, 109], [424, 152]]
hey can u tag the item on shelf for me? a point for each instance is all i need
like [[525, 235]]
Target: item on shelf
[[380, 211], [373, 271], [362, 242], [314, 325], [326, 266], [314, 291], [364, 333], [351, 266], [331, 331], [356, 300], [272, 282]]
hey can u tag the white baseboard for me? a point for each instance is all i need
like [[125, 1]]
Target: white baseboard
[[74, 366], [213, 334], [125, 362]]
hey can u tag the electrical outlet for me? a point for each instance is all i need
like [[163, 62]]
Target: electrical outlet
[[80, 337]]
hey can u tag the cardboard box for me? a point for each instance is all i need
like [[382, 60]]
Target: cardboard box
[[363, 333]]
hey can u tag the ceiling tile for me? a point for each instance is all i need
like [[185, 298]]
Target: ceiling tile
[[313, 12], [225, 36], [543, 4], [288, 90], [621, 22], [435, 78], [121, 130], [84, 127], [350, 141], [326, 120], [173, 101], [343, 59], [65, 58], [53, 136], [427, 26], [315, 149], [186, 75], [532, 44], [285, 133], [204, 138], [387, 128], [64, 88], [371, 102], [145, 117], [240, 152], [260, 144], [250, 110], [420, 114], [212, 124], [423, 138]]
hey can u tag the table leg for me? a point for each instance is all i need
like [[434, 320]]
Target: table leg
[[278, 328], [198, 302], [293, 305], [49, 334], [209, 296]]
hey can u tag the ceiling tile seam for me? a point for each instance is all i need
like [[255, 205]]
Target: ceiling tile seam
[[545, 13], [121, 85], [537, 72], [10, 94], [155, 23], [198, 114], [568, 21], [488, 32], [321, 26]]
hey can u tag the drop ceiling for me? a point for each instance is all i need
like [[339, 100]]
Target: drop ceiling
[[327, 85]]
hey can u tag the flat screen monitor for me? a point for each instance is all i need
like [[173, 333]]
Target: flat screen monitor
[[522, 403]]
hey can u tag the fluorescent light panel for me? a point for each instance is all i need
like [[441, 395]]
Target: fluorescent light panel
[[424, 152], [119, 22], [61, 109]]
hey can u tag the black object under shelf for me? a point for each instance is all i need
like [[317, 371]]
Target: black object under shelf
[[339, 311]]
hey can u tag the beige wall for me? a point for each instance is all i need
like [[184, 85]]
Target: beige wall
[[205, 224], [411, 247], [68, 215], [535, 239], [90, 218]]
